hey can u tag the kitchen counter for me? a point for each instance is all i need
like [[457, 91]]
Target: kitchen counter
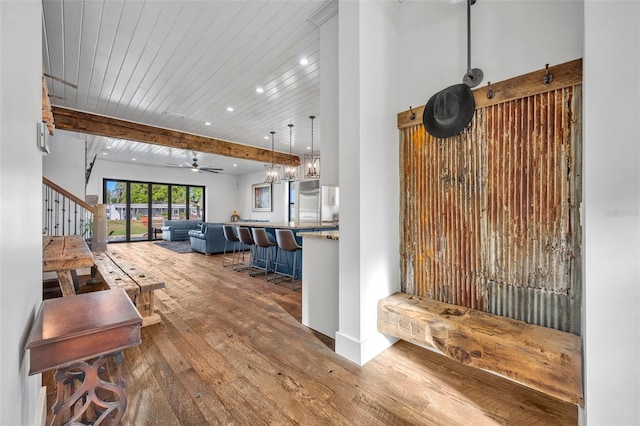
[[276, 225], [320, 284], [329, 235]]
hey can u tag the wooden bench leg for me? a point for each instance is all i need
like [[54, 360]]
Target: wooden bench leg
[[66, 282]]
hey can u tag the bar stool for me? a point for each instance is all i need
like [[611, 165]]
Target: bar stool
[[245, 238], [230, 237], [262, 240], [287, 243]]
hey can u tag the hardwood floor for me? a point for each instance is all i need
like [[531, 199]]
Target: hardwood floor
[[231, 350]]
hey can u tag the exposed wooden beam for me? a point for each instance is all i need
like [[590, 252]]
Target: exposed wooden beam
[[564, 75], [83, 122], [542, 358], [47, 115]]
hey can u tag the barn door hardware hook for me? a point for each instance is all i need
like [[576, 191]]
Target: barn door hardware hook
[[548, 78], [413, 114], [490, 92]]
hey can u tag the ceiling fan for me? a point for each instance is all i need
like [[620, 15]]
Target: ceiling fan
[[194, 167]]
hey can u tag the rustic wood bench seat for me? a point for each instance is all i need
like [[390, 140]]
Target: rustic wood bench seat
[[118, 272], [541, 358]]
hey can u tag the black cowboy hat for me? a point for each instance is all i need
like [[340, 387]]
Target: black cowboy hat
[[449, 111]]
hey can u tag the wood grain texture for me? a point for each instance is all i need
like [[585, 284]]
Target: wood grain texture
[[232, 350], [93, 124], [545, 359], [65, 252], [65, 280], [564, 75], [47, 115]]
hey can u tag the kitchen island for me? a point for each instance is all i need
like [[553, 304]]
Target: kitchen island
[[295, 227], [320, 272]]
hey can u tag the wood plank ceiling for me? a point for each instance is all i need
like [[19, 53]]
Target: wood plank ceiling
[[181, 64]]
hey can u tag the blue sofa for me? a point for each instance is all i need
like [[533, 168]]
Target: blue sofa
[[210, 239], [178, 230]]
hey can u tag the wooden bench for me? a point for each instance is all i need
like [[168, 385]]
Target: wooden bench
[[541, 358], [118, 272]]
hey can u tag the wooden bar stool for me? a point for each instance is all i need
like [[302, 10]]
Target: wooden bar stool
[[287, 243]]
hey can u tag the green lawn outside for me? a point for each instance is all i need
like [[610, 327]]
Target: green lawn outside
[[118, 227]]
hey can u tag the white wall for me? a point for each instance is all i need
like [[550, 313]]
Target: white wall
[[279, 205], [329, 158], [20, 204], [369, 174], [611, 236], [65, 164], [509, 38], [221, 190]]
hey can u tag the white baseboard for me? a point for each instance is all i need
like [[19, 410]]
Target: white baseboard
[[362, 351], [40, 418]]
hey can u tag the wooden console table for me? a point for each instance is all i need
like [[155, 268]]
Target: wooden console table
[[76, 336], [64, 254]]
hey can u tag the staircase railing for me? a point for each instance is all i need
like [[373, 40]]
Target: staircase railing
[[66, 214]]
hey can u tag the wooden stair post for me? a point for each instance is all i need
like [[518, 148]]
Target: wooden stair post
[[99, 238]]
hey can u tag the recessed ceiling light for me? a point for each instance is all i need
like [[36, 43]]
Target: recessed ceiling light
[[304, 61], [207, 123], [230, 109], [235, 165], [104, 153], [260, 90], [133, 159], [266, 137], [108, 147], [309, 148]]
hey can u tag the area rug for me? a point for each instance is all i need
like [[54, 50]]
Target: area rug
[[176, 246]]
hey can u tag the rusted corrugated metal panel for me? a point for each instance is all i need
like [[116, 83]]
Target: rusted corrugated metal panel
[[490, 217]]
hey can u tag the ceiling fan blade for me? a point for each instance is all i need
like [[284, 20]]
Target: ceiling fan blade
[[210, 169]]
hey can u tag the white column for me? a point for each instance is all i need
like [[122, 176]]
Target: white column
[[369, 174], [611, 207], [329, 158]]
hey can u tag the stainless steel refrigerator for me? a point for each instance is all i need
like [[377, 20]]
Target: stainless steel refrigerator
[[309, 202]]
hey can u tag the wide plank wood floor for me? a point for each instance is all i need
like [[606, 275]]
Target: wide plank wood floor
[[232, 350]]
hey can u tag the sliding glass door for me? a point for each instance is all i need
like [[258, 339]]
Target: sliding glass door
[[115, 197], [136, 210]]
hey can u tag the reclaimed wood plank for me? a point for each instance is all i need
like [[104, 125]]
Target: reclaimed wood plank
[[147, 281], [542, 358], [564, 75], [84, 122], [114, 276], [66, 283]]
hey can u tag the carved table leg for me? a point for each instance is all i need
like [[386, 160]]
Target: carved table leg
[[106, 412]]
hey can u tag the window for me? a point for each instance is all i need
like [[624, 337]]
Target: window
[[136, 210]]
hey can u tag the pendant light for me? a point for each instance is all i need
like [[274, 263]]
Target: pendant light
[[312, 161], [273, 171], [291, 171], [473, 76]]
